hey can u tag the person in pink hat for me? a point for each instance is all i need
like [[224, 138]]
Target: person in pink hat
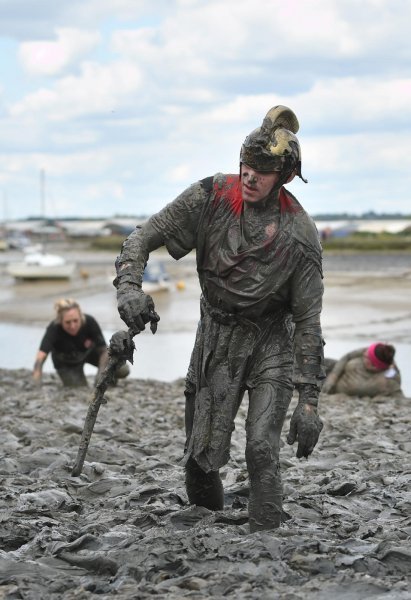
[[369, 371]]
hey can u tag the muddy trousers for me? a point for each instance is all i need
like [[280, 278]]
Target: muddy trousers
[[267, 410], [268, 406], [204, 489]]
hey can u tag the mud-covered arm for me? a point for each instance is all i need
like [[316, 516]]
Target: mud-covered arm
[[306, 304], [135, 251], [338, 369], [174, 227]]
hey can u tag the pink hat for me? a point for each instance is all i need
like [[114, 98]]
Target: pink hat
[[377, 362]]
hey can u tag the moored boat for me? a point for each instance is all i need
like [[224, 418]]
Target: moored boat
[[156, 278], [38, 265]]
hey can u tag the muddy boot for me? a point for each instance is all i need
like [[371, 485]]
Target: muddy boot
[[204, 489]]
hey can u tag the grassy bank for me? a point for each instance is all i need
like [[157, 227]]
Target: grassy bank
[[363, 242], [369, 242]]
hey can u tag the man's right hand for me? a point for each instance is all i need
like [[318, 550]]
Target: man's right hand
[[136, 309]]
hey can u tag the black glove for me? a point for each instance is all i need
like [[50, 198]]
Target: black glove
[[305, 425], [136, 309]]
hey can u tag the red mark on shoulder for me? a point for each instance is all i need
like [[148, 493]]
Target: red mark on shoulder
[[287, 202], [229, 191]]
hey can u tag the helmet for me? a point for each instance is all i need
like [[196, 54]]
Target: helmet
[[274, 146]]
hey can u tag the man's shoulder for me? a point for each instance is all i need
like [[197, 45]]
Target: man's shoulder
[[304, 228], [218, 181]]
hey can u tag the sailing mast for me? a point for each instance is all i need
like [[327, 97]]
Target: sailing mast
[[42, 194]]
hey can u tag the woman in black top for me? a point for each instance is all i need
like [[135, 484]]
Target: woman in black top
[[73, 339]]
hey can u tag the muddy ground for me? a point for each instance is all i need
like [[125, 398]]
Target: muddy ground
[[124, 529]]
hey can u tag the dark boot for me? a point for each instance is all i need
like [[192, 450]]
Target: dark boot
[[204, 489]]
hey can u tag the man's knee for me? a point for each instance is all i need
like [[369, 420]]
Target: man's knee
[[260, 455]]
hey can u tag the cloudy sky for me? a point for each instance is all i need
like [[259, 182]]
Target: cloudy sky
[[124, 103]]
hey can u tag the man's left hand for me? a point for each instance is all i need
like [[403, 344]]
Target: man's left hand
[[305, 425]]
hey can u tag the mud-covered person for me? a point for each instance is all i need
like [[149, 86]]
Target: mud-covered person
[[73, 338], [370, 371], [259, 264]]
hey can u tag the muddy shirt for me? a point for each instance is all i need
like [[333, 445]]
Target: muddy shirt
[[252, 261], [72, 348], [260, 274], [350, 376]]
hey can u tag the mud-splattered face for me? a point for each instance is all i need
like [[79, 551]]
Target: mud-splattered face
[[255, 185], [71, 321]]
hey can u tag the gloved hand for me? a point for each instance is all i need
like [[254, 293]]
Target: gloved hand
[[305, 425], [136, 309], [122, 347]]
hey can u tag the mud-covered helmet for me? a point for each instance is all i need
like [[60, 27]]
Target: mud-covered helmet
[[274, 146]]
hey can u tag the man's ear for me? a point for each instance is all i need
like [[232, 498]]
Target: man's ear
[[291, 177]]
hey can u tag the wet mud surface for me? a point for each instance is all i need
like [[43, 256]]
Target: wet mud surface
[[123, 528]]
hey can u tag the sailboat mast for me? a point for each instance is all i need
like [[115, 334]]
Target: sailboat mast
[[42, 193]]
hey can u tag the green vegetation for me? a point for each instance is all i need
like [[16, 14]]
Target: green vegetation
[[356, 242], [369, 242], [110, 242]]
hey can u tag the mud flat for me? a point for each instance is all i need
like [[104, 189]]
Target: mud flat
[[367, 298], [124, 529]]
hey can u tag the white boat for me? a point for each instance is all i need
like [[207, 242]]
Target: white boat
[[39, 265], [156, 278]]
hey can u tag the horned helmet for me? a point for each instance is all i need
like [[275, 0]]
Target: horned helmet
[[274, 146]]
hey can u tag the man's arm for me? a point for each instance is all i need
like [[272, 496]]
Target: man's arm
[[134, 306], [307, 292], [306, 303], [174, 227]]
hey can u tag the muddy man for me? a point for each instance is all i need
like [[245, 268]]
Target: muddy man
[[259, 265]]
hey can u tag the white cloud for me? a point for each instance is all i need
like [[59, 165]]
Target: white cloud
[[52, 57], [179, 173], [98, 89], [144, 98], [358, 100], [359, 154]]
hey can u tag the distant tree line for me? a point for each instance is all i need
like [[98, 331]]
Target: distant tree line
[[369, 215]]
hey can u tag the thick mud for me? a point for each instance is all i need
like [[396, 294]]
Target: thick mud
[[124, 529]]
